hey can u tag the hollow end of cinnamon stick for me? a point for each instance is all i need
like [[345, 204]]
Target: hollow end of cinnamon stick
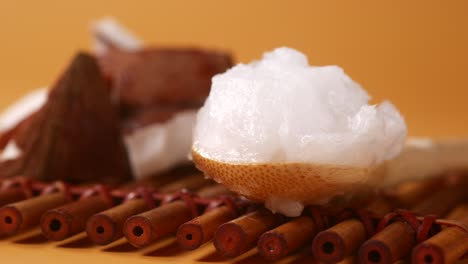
[[201, 229], [101, 229], [428, 254], [286, 238], [230, 240], [190, 236], [374, 252], [106, 227], [56, 225], [139, 231], [328, 246], [10, 220], [25, 214], [273, 245]]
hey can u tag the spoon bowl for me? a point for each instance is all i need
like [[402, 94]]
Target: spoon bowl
[[287, 187]]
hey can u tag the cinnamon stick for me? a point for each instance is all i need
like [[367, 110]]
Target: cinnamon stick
[[25, 214], [344, 238], [107, 226], [459, 212], [339, 241], [11, 195], [351, 260], [200, 230], [448, 246], [178, 174], [190, 182], [241, 234], [213, 191], [287, 238], [396, 240], [60, 223], [145, 228]]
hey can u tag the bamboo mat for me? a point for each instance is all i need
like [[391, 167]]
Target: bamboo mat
[[32, 247]]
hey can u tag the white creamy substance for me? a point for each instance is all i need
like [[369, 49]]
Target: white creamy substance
[[281, 109], [22, 108], [161, 146], [108, 31]]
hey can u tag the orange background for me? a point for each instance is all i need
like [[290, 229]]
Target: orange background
[[414, 53]]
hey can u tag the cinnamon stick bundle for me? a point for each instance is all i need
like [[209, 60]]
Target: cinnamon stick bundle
[[106, 227], [449, 245], [63, 222], [397, 239], [276, 238], [344, 238], [75, 136], [147, 227]]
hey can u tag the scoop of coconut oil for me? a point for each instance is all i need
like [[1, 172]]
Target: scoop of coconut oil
[[281, 110]]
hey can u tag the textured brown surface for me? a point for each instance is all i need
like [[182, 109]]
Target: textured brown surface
[[75, 135], [302, 182], [163, 76]]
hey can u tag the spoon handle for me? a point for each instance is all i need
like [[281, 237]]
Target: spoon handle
[[425, 157]]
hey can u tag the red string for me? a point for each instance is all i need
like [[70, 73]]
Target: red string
[[24, 184], [425, 228], [58, 186], [319, 216], [367, 218], [422, 226], [364, 215], [142, 193], [189, 200], [224, 200], [101, 190], [452, 223]]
